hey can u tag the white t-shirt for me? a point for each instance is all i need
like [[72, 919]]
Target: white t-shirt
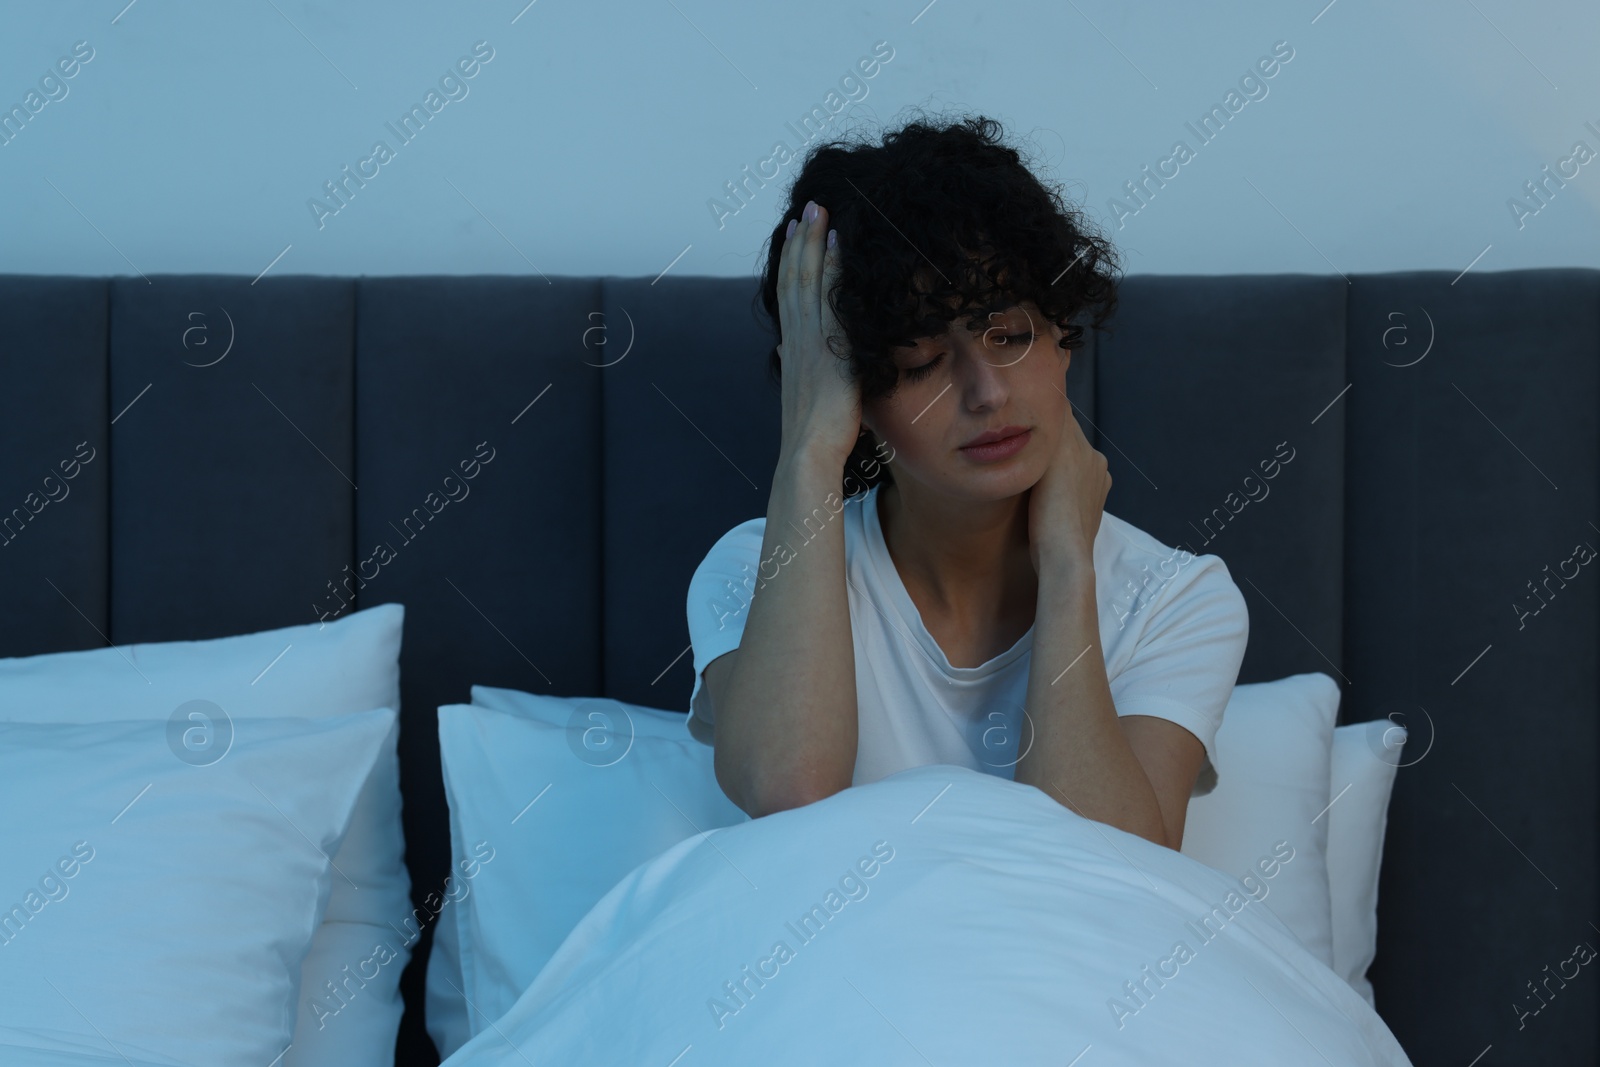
[[1173, 628]]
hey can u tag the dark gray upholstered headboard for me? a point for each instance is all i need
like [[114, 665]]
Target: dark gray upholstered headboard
[[1446, 462]]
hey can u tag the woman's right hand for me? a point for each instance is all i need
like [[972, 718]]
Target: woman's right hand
[[821, 400]]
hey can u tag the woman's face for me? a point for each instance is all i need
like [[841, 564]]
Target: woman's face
[[974, 378]]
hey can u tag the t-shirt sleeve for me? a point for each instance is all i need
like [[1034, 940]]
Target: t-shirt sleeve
[[1187, 658], [719, 602]]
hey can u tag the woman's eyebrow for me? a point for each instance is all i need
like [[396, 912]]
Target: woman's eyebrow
[[978, 325]]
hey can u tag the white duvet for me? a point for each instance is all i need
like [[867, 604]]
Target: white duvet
[[939, 916]]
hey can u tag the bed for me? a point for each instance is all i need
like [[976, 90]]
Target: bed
[[1425, 551]]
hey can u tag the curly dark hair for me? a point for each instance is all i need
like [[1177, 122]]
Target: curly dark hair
[[940, 221]]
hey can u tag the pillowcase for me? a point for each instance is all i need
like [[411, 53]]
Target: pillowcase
[[444, 1008], [611, 717], [1275, 744], [76, 1055], [1365, 757], [164, 904], [320, 669], [568, 794]]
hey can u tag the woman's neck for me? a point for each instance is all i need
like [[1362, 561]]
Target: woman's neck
[[960, 558]]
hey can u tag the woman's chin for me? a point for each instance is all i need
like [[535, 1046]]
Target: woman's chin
[[989, 486]]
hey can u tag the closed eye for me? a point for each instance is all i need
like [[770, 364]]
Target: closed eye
[[918, 373]]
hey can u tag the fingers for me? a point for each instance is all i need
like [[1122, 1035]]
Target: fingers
[[830, 277], [812, 234], [800, 266]]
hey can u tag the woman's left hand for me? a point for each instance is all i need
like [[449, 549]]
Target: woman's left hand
[[1065, 505]]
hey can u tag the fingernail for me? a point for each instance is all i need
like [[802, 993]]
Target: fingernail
[[832, 237], [811, 211], [790, 231]]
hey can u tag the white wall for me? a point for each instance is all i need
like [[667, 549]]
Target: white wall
[[593, 140]]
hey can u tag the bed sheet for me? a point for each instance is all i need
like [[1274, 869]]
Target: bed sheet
[[937, 916]]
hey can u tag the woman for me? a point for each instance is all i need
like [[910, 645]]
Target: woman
[[975, 605]]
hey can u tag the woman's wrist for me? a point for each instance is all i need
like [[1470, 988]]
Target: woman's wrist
[[1065, 567], [807, 458]]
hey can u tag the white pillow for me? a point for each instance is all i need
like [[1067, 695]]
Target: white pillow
[[320, 669], [601, 715], [448, 1017], [444, 1010], [1275, 746], [571, 794], [1365, 756], [165, 905], [74, 1055]]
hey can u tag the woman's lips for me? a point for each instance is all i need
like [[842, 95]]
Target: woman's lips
[[997, 450]]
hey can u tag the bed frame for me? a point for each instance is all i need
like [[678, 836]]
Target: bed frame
[[1419, 546]]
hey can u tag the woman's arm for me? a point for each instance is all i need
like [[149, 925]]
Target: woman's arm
[[786, 726], [1080, 754]]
